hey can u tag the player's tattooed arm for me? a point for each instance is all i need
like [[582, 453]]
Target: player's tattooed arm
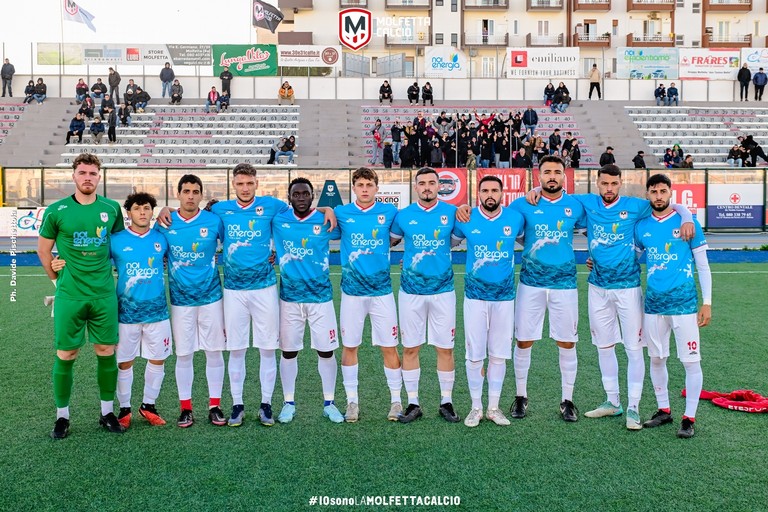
[[210, 204]]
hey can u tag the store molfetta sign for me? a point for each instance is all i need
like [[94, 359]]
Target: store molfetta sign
[[543, 63], [126, 54], [313, 56], [245, 59], [709, 63], [444, 62], [646, 63]]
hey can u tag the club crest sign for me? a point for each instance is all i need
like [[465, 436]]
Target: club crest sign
[[355, 28]]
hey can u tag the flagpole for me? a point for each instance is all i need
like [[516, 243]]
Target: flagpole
[[61, 45]]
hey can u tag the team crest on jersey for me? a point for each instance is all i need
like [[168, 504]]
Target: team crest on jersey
[[676, 233], [316, 229], [204, 232], [158, 247], [568, 212], [444, 220], [381, 219], [623, 215], [259, 210], [507, 230], [104, 216]]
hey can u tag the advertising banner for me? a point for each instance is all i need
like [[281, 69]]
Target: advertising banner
[[454, 187], [691, 196], [444, 62], [21, 223], [396, 194], [755, 58], [543, 62], [313, 56], [514, 182], [245, 59], [708, 63], [735, 206], [647, 63], [125, 54]]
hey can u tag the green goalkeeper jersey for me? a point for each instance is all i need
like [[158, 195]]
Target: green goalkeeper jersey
[[82, 234]]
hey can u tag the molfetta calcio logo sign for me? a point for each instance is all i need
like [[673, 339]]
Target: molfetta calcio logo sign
[[355, 28]]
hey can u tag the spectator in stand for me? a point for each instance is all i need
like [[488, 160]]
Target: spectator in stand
[[677, 155], [285, 93], [397, 131], [673, 95], [287, 149], [212, 99], [530, 120], [575, 154], [275, 148], [735, 156], [385, 92], [607, 157], [124, 114], [29, 92], [98, 90], [760, 79], [549, 94], [81, 90], [687, 162], [502, 148], [87, 107], [6, 73], [97, 130], [754, 150], [76, 128], [486, 153], [108, 102], [406, 155], [661, 95], [427, 94], [142, 98], [555, 141], [471, 160], [114, 84], [639, 160], [669, 159], [41, 91], [226, 81], [561, 101], [177, 92], [436, 155], [594, 83], [111, 125], [388, 157], [377, 132], [744, 77], [451, 155], [523, 158], [132, 87], [413, 94], [130, 98], [224, 101], [166, 77]]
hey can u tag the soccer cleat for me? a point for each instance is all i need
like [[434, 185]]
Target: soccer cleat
[[633, 420], [496, 416], [473, 418], [150, 414], [265, 415], [186, 419], [216, 416], [110, 422], [605, 409], [287, 414], [569, 411], [447, 412], [353, 413], [238, 414], [60, 429], [395, 410], [519, 407], [333, 414], [686, 429], [124, 417], [659, 418], [412, 412]]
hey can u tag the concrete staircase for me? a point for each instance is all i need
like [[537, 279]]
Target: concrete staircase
[[326, 133], [31, 141]]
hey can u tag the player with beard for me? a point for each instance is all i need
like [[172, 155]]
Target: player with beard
[[671, 302], [489, 296]]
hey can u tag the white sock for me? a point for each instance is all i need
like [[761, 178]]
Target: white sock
[[411, 383], [124, 385], [107, 406], [635, 378], [267, 374], [62, 412], [394, 382], [568, 366], [153, 381], [497, 370], [660, 380], [475, 380], [349, 377], [236, 370], [327, 368], [446, 380], [694, 380], [289, 368], [609, 369], [522, 364], [185, 374], [214, 372]]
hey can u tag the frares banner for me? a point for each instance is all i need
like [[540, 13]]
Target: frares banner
[[245, 59], [444, 62], [709, 63], [646, 63]]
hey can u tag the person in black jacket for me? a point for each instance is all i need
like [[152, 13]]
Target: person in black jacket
[[142, 98], [413, 94], [397, 137], [575, 154], [387, 156], [639, 160], [226, 80], [407, 156], [427, 94], [29, 92], [106, 103], [385, 92], [744, 77], [41, 91], [111, 125], [98, 90], [606, 158], [76, 127]]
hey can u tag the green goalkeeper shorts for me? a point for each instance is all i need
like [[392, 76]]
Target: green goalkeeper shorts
[[71, 317]]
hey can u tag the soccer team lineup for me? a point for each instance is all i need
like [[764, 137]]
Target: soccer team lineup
[[169, 298]]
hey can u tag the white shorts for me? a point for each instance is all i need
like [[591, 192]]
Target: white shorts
[[656, 331], [563, 306], [151, 341], [609, 307], [488, 328], [383, 315], [198, 328], [243, 308], [322, 326], [419, 311]]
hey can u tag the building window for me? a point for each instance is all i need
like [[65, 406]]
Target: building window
[[757, 29], [515, 27], [438, 38], [696, 8], [454, 40], [439, 3], [454, 5]]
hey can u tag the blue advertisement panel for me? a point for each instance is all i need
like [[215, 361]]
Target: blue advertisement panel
[[735, 206], [647, 63]]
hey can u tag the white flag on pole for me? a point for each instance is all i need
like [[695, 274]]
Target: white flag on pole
[[73, 12]]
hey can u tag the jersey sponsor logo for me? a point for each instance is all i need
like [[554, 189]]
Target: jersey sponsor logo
[[476, 232], [483, 253], [316, 229], [134, 268], [204, 232], [81, 238], [381, 219], [420, 241], [623, 215], [568, 212], [603, 236], [507, 230], [544, 231], [259, 210], [104, 216], [179, 253], [444, 220], [538, 212], [235, 231], [412, 223], [360, 240], [653, 255], [350, 221], [676, 233], [297, 252]]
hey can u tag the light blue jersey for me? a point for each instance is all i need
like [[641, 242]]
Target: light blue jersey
[[140, 276], [247, 242], [427, 268], [548, 259], [302, 251], [490, 253], [670, 288], [365, 248], [192, 271], [611, 235]]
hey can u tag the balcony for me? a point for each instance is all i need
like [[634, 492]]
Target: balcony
[[650, 40], [486, 4], [728, 5], [544, 5], [650, 5], [592, 5], [418, 39], [592, 41], [353, 3], [481, 40], [712, 41], [534, 41], [422, 5], [287, 5]]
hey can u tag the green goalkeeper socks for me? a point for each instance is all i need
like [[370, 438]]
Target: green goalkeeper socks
[[63, 376], [106, 375]]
